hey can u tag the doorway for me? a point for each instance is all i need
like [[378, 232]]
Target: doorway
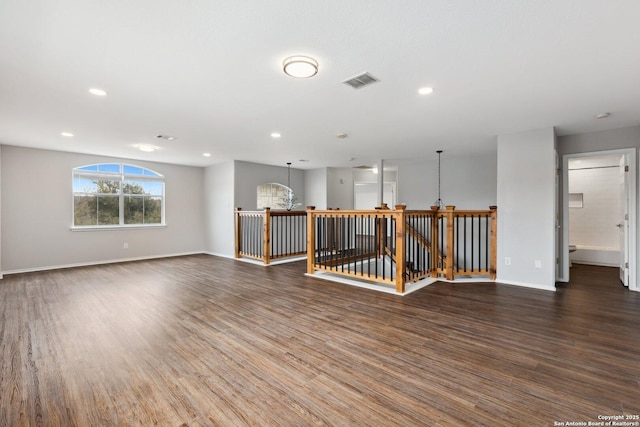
[[599, 201]]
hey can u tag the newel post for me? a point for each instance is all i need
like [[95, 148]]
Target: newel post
[[450, 240], [435, 252], [401, 255], [381, 228], [493, 243], [311, 239], [266, 238], [238, 232]]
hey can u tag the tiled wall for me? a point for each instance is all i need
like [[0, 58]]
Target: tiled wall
[[594, 225]]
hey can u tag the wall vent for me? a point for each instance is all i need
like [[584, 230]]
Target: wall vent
[[361, 80]]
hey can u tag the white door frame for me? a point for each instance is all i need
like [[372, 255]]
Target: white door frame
[[630, 154]]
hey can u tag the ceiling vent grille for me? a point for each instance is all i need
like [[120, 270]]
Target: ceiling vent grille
[[362, 80]]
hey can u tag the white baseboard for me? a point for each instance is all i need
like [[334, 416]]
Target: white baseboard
[[599, 264], [90, 263], [273, 262], [526, 285], [219, 254], [379, 287]]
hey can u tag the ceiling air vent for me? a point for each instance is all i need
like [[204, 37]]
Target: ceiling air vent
[[361, 80]]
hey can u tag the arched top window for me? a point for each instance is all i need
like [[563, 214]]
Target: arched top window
[[117, 195]]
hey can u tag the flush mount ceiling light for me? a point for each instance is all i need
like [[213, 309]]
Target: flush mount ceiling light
[[97, 92], [425, 90], [206, 154], [67, 134], [147, 148], [167, 137], [299, 66], [275, 135], [602, 115]]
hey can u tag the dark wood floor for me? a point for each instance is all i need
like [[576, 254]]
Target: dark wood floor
[[201, 340]]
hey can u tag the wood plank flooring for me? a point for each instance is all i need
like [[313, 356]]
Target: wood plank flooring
[[207, 341]]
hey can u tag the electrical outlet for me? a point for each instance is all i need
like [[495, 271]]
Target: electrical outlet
[[507, 261], [126, 246], [538, 263]]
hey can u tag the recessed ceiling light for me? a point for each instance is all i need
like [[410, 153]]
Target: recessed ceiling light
[[67, 134], [602, 115], [275, 135], [206, 154], [97, 92], [147, 148], [425, 90], [300, 66], [167, 137]]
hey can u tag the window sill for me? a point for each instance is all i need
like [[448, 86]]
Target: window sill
[[118, 227]]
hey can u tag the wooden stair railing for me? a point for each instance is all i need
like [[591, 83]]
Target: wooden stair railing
[[267, 235], [399, 246]]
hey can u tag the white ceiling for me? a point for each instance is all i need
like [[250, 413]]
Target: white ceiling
[[209, 72]]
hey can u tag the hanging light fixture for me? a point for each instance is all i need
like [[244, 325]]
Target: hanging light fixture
[[439, 203], [289, 201], [301, 67]]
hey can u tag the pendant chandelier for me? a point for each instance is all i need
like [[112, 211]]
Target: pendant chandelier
[[289, 201], [439, 203]]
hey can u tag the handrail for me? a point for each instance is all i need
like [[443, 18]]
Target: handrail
[[387, 246], [399, 246], [267, 235]]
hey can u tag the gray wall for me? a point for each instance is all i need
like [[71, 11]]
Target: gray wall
[[340, 188], [315, 187], [219, 209], [248, 176], [526, 208], [36, 214], [599, 141], [466, 182], [234, 184]]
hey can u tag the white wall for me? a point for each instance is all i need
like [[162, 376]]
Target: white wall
[[315, 187], [219, 209], [594, 224], [468, 182], [36, 214], [526, 208]]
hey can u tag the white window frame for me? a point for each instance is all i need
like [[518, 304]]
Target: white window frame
[[120, 177]]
